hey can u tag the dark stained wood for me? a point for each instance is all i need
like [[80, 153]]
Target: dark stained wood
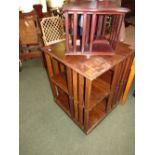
[[70, 90], [113, 86], [100, 22], [94, 22], [50, 73], [62, 101], [89, 88], [95, 6], [119, 81], [33, 54], [75, 31], [55, 66], [93, 66], [61, 81], [62, 67], [125, 76], [67, 31], [93, 27], [75, 94], [81, 99], [96, 115], [84, 32], [100, 90]]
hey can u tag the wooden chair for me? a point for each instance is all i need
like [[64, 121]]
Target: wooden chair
[[92, 27], [129, 82], [29, 36], [52, 30]]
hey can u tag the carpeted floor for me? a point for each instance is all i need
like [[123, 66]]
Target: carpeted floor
[[46, 130]]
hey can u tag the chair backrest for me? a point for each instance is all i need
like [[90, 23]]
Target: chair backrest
[[93, 27], [52, 29], [28, 28], [38, 9]]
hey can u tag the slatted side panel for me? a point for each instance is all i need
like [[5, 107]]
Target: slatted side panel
[[116, 91], [113, 86], [83, 29]]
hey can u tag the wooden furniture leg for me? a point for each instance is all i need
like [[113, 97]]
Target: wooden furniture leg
[[129, 83], [50, 74], [88, 88], [81, 98], [75, 94]]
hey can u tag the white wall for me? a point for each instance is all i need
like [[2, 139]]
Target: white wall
[[27, 5]]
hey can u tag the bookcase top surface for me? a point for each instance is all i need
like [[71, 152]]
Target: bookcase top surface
[[89, 66]]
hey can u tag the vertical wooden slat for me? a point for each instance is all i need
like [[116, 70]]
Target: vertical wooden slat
[[84, 32], [75, 31], [114, 100], [67, 31], [116, 36], [50, 73], [114, 27], [93, 26], [55, 66], [99, 27], [125, 62], [75, 94], [104, 25], [62, 67], [81, 98], [88, 87], [120, 25], [113, 86], [88, 28], [114, 32], [70, 89]]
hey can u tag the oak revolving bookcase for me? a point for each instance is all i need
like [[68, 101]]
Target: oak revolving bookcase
[[88, 89], [93, 27]]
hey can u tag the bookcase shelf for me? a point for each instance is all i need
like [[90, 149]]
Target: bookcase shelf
[[100, 90], [97, 114], [60, 81], [63, 102]]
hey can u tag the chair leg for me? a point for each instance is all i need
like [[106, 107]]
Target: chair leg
[[20, 65], [44, 60], [129, 83]]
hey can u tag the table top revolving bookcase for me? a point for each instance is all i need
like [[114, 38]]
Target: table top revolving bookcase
[[92, 27]]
